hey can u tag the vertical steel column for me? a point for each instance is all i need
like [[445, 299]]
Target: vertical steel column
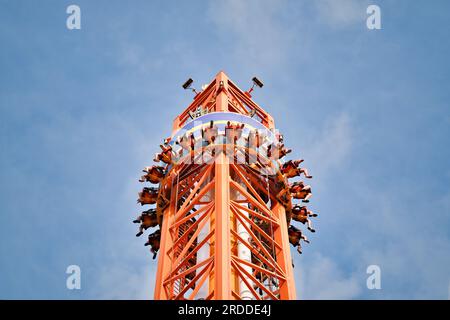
[[222, 276], [287, 288], [164, 260]]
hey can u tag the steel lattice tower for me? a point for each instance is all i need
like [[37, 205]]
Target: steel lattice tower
[[224, 203]]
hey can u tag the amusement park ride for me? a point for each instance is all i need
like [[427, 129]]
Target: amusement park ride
[[224, 205]]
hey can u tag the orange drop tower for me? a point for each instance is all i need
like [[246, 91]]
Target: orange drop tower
[[223, 206]]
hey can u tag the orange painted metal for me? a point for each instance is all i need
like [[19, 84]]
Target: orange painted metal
[[198, 257], [222, 275]]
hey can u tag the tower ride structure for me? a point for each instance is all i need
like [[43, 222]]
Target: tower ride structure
[[223, 203]]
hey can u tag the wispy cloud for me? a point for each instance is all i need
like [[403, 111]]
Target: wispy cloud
[[321, 278], [120, 281], [256, 30], [343, 13], [329, 146]]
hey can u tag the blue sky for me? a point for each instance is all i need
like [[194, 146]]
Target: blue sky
[[82, 111]]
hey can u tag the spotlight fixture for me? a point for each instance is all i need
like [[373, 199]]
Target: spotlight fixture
[[256, 82], [187, 85]]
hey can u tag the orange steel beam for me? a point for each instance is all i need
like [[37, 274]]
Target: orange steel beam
[[287, 288], [222, 281], [222, 277], [166, 243]]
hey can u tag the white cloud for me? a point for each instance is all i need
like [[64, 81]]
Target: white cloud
[[412, 245], [341, 13], [330, 146], [321, 278], [258, 32], [122, 282]]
